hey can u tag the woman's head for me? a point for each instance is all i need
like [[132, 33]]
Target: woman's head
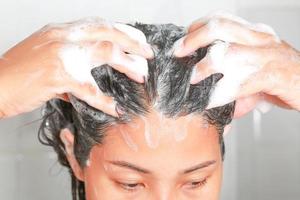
[[164, 145]]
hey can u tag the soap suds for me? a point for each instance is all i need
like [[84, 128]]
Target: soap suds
[[264, 106], [80, 29], [257, 118], [138, 64], [79, 61], [131, 32], [181, 133], [151, 136], [157, 126], [224, 62], [213, 20], [88, 163], [128, 140]]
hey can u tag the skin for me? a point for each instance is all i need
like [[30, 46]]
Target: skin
[[278, 80], [187, 169], [35, 63], [40, 69]]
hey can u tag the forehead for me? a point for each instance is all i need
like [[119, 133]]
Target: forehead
[[155, 137]]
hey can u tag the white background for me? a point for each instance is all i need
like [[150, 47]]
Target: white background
[[262, 162]]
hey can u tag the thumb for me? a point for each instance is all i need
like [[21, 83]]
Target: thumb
[[202, 70]]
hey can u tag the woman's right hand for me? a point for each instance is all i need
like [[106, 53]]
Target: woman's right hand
[[34, 71]]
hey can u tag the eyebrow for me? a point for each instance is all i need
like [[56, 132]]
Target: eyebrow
[[131, 166], [199, 166]]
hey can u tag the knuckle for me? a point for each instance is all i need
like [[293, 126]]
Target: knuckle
[[223, 21], [107, 49], [106, 46], [217, 24], [53, 32], [125, 39], [55, 45]]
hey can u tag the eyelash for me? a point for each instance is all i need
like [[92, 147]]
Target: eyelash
[[131, 187], [197, 184]]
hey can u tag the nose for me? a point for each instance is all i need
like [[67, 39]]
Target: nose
[[165, 193]]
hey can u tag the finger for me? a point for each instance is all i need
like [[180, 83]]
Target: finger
[[276, 101], [197, 24], [238, 64], [202, 70], [219, 14], [132, 75], [127, 42], [134, 66], [234, 60], [93, 96], [137, 38], [220, 29]]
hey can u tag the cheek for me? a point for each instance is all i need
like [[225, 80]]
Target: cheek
[[214, 186], [93, 182], [97, 184], [210, 191]]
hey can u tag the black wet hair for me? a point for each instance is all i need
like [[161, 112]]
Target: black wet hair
[[167, 89]]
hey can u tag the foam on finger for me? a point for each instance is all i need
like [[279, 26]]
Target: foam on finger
[[236, 69]]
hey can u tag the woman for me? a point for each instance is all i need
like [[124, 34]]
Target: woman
[[165, 144], [278, 60]]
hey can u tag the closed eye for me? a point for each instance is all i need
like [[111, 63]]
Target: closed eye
[[131, 186]]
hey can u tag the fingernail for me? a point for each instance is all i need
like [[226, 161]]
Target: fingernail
[[178, 46], [137, 77]]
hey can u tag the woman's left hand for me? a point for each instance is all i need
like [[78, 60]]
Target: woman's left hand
[[251, 57]]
